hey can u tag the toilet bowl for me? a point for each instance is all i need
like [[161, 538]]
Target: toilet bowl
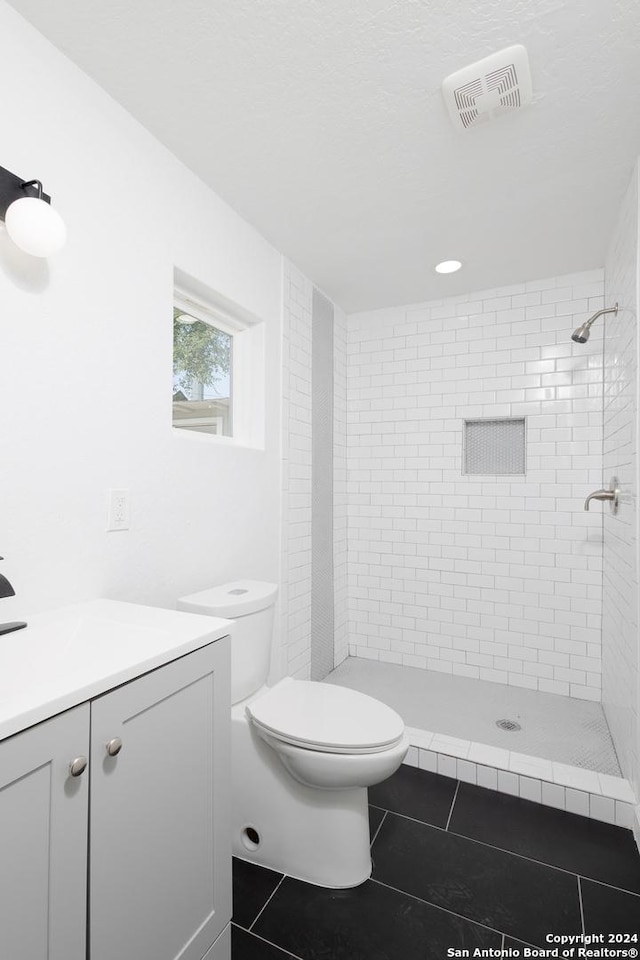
[[329, 737], [303, 753]]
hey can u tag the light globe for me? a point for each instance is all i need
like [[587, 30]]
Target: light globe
[[35, 226]]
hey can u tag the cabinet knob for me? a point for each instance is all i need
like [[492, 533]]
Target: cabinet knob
[[78, 766], [114, 747]]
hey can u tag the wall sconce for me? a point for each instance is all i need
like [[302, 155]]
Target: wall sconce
[[31, 221]]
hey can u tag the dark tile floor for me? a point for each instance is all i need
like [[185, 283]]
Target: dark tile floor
[[455, 866]]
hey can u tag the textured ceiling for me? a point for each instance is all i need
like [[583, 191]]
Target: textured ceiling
[[322, 123]]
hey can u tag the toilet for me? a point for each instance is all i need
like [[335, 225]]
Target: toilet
[[303, 753]]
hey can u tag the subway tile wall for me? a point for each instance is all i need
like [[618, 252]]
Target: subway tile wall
[[621, 673], [574, 789], [497, 577]]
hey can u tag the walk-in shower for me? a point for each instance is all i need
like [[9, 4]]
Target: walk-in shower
[[493, 612], [476, 596], [581, 335]]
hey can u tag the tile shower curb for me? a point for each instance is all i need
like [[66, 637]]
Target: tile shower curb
[[574, 789]]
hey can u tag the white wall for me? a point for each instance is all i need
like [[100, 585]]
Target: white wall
[[86, 348], [340, 507], [490, 577], [296, 475], [297, 651], [621, 657]]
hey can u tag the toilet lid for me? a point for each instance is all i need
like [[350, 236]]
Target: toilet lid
[[326, 717]]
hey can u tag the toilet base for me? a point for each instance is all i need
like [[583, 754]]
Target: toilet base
[[319, 836]]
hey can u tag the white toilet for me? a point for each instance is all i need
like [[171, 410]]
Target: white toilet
[[303, 753]]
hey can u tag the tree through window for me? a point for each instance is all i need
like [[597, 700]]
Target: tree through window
[[202, 375]]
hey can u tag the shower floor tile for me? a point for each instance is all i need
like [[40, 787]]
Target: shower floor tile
[[553, 727]]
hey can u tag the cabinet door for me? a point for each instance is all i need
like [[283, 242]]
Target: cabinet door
[[43, 840], [160, 863]]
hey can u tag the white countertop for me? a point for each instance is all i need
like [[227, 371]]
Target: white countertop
[[70, 655]]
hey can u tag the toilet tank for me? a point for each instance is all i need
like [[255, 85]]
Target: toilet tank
[[251, 604]]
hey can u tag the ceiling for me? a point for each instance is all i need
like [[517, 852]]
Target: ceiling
[[323, 124]]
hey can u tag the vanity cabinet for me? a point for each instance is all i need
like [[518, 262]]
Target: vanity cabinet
[[43, 840], [139, 843]]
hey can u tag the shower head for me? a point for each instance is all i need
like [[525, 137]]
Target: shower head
[[581, 335]]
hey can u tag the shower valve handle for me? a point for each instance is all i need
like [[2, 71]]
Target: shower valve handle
[[612, 495]]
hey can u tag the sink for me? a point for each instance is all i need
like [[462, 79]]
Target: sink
[[75, 653]]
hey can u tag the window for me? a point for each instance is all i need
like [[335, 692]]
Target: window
[[202, 375], [219, 377]]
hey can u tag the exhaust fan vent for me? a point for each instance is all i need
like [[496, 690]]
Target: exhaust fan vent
[[489, 88]]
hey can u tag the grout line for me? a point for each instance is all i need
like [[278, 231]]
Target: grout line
[[526, 942], [285, 953], [483, 843], [378, 830], [581, 907], [455, 796], [611, 886], [542, 863], [437, 906], [520, 856], [269, 899], [424, 823]]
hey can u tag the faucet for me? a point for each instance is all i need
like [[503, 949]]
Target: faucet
[[6, 590], [612, 495]]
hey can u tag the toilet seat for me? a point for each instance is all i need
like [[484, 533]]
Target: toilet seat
[[326, 718]]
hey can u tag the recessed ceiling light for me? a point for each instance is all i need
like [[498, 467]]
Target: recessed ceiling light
[[448, 266]]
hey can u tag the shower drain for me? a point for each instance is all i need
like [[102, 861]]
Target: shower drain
[[508, 725]]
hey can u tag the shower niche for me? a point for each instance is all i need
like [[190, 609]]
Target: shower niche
[[494, 447]]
